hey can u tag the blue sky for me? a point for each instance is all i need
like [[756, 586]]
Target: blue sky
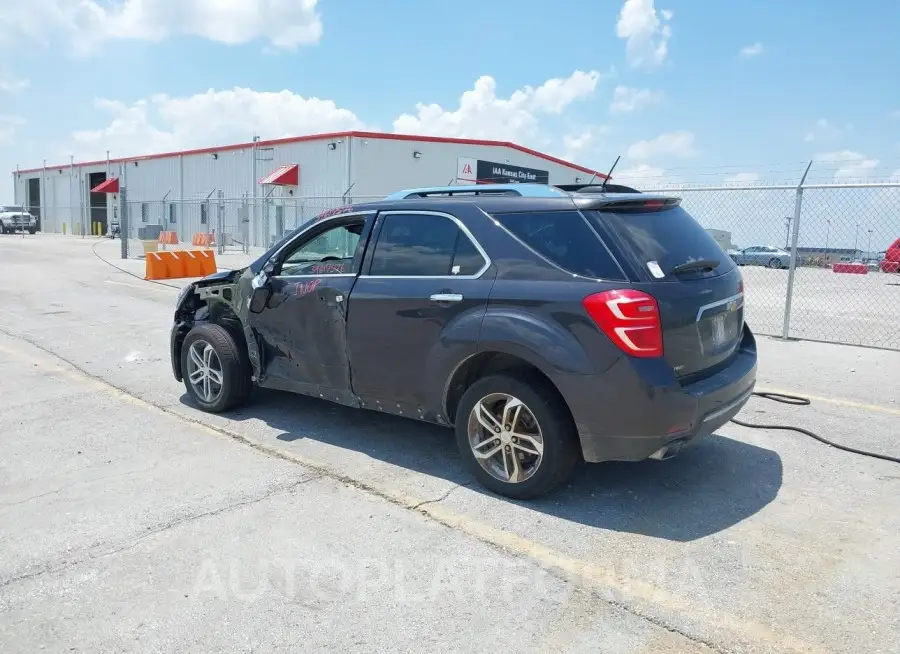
[[817, 79]]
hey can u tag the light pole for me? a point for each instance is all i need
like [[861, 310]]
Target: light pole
[[827, 238], [869, 245], [856, 240], [787, 233]]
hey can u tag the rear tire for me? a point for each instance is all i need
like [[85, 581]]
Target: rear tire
[[774, 263], [229, 383], [550, 421]]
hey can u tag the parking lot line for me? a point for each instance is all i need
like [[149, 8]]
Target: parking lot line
[[838, 401], [630, 594]]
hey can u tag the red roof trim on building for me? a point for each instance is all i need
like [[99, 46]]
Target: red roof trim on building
[[288, 175], [109, 186], [335, 135]]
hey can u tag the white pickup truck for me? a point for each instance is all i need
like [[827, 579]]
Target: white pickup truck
[[15, 219]]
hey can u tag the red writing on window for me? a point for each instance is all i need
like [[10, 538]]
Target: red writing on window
[[334, 212], [328, 268], [305, 288]]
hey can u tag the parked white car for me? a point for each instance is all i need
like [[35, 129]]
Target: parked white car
[[15, 219]]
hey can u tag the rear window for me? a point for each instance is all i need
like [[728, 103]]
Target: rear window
[[564, 238], [669, 237]]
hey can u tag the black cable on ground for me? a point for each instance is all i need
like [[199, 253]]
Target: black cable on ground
[[796, 400], [128, 272]]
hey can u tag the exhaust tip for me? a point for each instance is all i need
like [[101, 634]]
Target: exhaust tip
[[668, 451]]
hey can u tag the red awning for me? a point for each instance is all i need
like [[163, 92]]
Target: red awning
[[283, 176], [109, 186]]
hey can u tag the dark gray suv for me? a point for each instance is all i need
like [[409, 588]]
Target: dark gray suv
[[544, 324]]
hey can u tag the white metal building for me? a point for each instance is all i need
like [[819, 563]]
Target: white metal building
[[172, 188], [722, 237]]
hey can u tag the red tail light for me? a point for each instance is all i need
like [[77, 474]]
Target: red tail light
[[630, 319]]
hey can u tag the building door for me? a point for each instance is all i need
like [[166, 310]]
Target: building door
[[97, 202], [34, 199]]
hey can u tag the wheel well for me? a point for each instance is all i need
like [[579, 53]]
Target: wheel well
[[482, 365]]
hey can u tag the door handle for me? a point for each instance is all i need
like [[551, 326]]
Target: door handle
[[446, 297]]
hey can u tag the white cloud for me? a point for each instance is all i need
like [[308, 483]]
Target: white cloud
[[742, 178], [13, 85], [87, 23], [577, 146], [627, 100], [672, 144], [747, 52], [824, 130], [641, 175], [848, 165], [8, 126], [645, 32], [217, 117], [163, 124], [481, 114]]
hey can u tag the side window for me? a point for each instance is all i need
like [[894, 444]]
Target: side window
[[564, 238], [423, 245], [329, 253]]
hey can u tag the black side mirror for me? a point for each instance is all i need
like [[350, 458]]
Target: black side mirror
[[260, 290]]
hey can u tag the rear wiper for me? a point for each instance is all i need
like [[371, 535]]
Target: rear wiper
[[691, 266]]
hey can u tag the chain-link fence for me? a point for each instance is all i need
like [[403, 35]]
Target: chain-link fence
[[817, 260]]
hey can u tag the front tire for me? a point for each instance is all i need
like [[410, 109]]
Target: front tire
[[216, 369], [516, 435]]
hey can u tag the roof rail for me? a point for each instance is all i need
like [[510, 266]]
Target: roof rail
[[520, 190]]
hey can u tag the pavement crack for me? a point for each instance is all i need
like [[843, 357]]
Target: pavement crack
[[443, 497], [90, 555]]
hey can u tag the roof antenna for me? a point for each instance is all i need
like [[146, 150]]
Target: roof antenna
[[615, 163]]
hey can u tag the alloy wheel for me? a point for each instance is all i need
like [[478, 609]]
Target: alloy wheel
[[205, 371], [505, 438]]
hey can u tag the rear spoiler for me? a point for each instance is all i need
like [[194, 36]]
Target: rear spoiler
[[596, 188], [643, 205]]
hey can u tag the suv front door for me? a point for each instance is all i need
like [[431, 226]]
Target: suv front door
[[302, 326], [416, 310]]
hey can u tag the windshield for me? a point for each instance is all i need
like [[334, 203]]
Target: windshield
[[669, 238], [12, 209]]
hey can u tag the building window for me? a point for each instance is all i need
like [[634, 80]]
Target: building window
[[172, 214], [145, 212], [204, 210]]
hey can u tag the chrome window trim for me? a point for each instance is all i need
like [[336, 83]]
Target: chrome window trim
[[718, 303], [315, 223], [322, 276], [553, 264], [465, 230]]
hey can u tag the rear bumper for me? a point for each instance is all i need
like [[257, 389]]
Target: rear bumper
[[638, 408]]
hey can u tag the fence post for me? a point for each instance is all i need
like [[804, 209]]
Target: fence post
[[220, 222], [123, 221], [795, 236]]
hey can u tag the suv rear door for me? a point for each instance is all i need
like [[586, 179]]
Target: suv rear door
[[701, 308], [425, 272]]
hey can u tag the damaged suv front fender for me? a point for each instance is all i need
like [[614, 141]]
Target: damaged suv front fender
[[219, 298]]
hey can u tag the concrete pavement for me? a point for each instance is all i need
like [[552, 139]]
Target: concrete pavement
[[753, 541]]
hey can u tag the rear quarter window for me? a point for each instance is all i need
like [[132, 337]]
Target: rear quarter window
[[669, 237], [565, 239]]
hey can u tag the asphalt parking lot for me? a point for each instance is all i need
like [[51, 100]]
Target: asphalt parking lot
[[826, 306], [131, 521]]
